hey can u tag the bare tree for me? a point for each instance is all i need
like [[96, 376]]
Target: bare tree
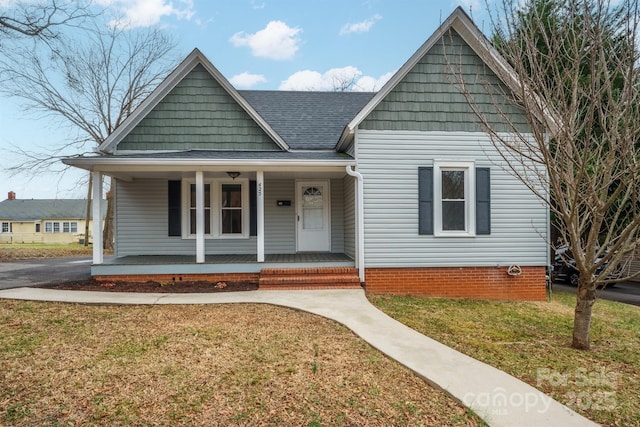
[[576, 79], [90, 84], [41, 19]]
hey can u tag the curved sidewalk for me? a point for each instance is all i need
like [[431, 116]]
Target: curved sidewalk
[[499, 398]]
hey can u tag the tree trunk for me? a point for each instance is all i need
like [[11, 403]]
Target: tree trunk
[[107, 233], [585, 298], [87, 217]]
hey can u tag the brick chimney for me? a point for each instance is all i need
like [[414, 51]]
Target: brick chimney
[[11, 195]]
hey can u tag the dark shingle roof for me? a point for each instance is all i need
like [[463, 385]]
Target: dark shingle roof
[[307, 120], [39, 209]]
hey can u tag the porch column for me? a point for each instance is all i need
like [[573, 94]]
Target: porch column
[[98, 253], [199, 217], [260, 213]]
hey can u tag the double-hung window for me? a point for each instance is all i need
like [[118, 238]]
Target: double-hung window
[[454, 199], [226, 208], [233, 198], [6, 227]]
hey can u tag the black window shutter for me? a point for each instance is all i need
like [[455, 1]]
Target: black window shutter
[[175, 208], [425, 200], [253, 209], [483, 201]]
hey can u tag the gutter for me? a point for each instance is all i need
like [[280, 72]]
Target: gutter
[[359, 220]]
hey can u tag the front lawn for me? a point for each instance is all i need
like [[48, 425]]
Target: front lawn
[[532, 342], [68, 364]]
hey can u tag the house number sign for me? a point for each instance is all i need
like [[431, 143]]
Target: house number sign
[[259, 189]]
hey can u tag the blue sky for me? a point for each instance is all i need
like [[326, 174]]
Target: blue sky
[[256, 44]]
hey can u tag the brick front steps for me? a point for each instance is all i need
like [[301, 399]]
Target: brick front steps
[[309, 278]]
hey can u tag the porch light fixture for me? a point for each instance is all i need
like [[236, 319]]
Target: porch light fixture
[[233, 175]]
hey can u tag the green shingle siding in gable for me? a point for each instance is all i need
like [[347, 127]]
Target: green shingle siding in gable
[[427, 99], [198, 114]]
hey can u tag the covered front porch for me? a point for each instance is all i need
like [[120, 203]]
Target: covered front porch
[[228, 216]]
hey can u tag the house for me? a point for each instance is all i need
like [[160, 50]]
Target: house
[[43, 220], [399, 190]]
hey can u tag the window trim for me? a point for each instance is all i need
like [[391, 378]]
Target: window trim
[[216, 208], [217, 205], [469, 197]]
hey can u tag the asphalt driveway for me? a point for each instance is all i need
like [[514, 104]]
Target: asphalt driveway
[[15, 274], [626, 292]]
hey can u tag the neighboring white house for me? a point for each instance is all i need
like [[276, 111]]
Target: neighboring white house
[[401, 188]]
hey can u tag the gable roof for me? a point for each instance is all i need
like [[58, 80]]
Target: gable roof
[[307, 120], [189, 63], [45, 209], [470, 33]]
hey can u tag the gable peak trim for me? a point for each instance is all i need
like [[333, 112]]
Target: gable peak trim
[[462, 23], [195, 58]]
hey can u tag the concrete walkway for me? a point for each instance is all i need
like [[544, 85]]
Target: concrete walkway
[[499, 398]]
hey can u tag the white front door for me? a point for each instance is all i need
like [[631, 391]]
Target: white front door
[[314, 223]]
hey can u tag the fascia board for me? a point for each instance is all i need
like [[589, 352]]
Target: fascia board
[[137, 164]]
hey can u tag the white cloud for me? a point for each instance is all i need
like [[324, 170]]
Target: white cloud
[[257, 5], [348, 77], [360, 27], [246, 80], [371, 84], [145, 13], [276, 41]]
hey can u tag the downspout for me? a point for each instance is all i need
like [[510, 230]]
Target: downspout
[[359, 221]]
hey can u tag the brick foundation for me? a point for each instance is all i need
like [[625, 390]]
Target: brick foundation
[[459, 282], [169, 278]]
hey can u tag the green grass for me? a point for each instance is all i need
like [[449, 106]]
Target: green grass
[[532, 342]]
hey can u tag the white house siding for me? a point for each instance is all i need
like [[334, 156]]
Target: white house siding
[[279, 221], [389, 162], [337, 216], [142, 221]]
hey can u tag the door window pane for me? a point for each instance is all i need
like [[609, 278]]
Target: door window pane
[[312, 209]]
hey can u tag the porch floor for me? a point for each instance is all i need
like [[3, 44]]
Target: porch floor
[[230, 259], [185, 264]]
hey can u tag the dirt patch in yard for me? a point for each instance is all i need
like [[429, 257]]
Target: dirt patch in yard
[[157, 287]]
